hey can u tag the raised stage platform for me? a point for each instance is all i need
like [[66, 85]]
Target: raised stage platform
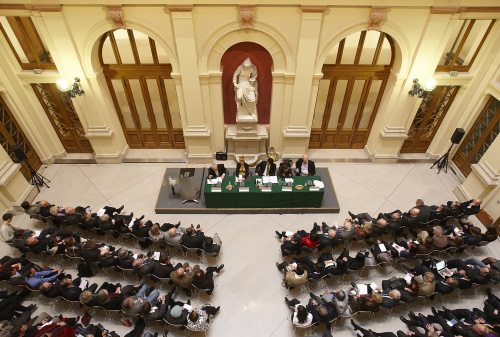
[[166, 205]]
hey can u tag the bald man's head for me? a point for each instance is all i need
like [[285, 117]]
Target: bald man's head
[[179, 271], [171, 231]]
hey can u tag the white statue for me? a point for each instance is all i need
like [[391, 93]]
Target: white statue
[[245, 87]]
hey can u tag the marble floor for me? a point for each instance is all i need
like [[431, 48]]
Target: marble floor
[[249, 289]]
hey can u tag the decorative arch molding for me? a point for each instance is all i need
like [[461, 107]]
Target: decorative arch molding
[[401, 44], [90, 57], [232, 33]]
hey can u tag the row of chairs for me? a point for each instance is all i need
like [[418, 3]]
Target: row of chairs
[[94, 309], [121, 237]]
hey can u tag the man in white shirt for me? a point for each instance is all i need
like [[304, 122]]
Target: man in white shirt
[[266, 168], [305, 167]]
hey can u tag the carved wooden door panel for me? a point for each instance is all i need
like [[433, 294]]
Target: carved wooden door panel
[[354, 78], [138, 74], [429, 116], [63, 117], [11, 134], [481, 135]]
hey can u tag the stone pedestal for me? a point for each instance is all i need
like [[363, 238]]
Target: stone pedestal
[[248, 139]]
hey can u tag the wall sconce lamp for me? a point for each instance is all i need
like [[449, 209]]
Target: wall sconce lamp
[[420, 91], [70, 90]]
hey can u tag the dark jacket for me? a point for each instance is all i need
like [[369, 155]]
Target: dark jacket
[[247, 170], [311, 168], [261, 168], [193, 241]]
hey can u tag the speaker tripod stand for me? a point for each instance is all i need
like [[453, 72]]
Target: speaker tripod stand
[[36, 178], [443, 161]]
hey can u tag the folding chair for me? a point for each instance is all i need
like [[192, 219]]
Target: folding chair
[[71, 303], [321, 282], [217, 241], [187, 250], [199, 291]]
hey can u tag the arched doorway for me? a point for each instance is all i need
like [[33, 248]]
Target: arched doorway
[[138, 73], [355, 74], [231, 60]]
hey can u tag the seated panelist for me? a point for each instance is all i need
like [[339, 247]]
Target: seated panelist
[[217, 170], [285, 171], [305, 167], [242, 168], [266, 168]]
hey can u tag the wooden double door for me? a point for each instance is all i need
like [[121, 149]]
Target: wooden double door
[[348, 106], [143, 106], [430, 114]]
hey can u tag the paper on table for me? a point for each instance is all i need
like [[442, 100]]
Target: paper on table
[[265, 179], [319, 184], [156, 256], [288, 233], [212, 181], [382, 247], [373, 286], [288, 180], [131, 223], [363, 289], [407, 278], [188, 307], [37, 233], [83, 284], [273, 179], [101, 212]]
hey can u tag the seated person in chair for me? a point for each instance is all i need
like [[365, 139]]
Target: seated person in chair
[[305, 167], [217, 170], [242, 169], [266, 168], [284, 171]]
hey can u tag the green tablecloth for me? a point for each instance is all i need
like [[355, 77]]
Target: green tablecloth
[[255, 198]]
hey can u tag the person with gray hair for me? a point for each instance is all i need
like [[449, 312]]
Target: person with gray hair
[[217, 170]]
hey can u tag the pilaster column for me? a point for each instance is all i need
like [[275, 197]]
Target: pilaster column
[[297, 133], [14, 188], [483, 181], [102, 126], [194, 121], [391, 125]]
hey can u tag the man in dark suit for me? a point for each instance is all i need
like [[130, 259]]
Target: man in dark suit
[[107, 259], [163, 267], [143, 267], [90, 251], [70, 289], [471, 207], [425, 211], [217, 170], [305, 167], [321, 312], [291, 245], [193, 238], [266, 168], [474, 238], [410, 219], [50, 290], [394, 220]]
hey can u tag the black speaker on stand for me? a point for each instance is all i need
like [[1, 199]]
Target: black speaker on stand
[[36, 178], [443, 160]]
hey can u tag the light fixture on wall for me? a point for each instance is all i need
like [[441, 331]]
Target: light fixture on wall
[[420, 91], [70, 90]]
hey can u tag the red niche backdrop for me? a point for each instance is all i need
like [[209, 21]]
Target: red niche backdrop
[[232, 59]]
